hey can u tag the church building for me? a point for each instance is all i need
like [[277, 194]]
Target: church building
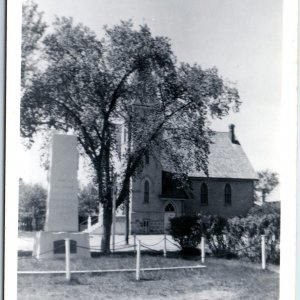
[[228, 190]]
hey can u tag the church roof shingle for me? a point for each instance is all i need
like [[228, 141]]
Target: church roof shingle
[[227, 160]]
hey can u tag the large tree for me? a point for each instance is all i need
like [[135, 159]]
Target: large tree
[[90, 85]]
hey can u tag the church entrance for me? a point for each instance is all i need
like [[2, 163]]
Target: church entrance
[[169, 214]]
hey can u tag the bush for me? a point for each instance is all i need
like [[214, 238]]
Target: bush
[[187, 231], [265, 209], [241, 237], [235, 233], [232, 237], [255, 226], [192, 251], [215, 229]]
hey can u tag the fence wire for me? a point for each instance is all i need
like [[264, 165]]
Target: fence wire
[[123, 247], [42, 253], [144, 246]]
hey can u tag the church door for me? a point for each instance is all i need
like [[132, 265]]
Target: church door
[[169, 214]]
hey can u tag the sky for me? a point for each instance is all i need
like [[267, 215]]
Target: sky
[[241, 38]]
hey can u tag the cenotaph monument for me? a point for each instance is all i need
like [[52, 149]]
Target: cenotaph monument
[[62, 204]]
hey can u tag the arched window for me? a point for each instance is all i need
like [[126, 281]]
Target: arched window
[[204, 194], [146, 191], [227, 194], [169, 208]]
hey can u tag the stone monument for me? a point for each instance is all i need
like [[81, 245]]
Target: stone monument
[[62, 204]]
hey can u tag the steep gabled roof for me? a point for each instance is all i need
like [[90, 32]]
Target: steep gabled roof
[[227, 160]]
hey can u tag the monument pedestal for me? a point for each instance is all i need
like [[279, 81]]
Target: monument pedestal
[[49, 244]]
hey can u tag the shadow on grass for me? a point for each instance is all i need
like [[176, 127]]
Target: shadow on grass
[[75, 280]]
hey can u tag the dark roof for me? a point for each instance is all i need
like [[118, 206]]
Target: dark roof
[[226, 160]]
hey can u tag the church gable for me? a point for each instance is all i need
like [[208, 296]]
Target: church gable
[[226, 159]]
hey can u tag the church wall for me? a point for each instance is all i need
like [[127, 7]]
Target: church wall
[[151, 212], [148, 218], [241, 197]]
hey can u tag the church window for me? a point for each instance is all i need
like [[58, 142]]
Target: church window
[[227, 194], [204, 194], [146, 191], [169, 208]]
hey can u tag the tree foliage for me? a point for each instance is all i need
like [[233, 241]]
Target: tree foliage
[[33, 29], [266, 208], [88, 200], [267, 182], [129, 76], [32, 204]]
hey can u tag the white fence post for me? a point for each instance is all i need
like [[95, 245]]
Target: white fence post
[[138, 261], [134, 243], [89, 222], [203, 249], [67, 255], [165, 245], [263, 252]]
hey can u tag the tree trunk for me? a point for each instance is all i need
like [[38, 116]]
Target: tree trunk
[[107, 207], [36, 223], [107, 220], [263, 197]]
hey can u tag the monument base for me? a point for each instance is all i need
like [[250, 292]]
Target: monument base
[[49, 244]]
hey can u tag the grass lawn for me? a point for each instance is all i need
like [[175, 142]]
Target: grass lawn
[[221, 279]]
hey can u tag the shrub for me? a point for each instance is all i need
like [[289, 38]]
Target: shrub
[[187, 231], [244, 236], [214, 229], [235, 232], [265, 209], [269, 225], [241, 237]]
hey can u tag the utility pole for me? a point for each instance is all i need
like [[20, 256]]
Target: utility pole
[[127, 220], [114, 211]]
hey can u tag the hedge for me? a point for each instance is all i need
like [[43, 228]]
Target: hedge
[[232, 237]]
